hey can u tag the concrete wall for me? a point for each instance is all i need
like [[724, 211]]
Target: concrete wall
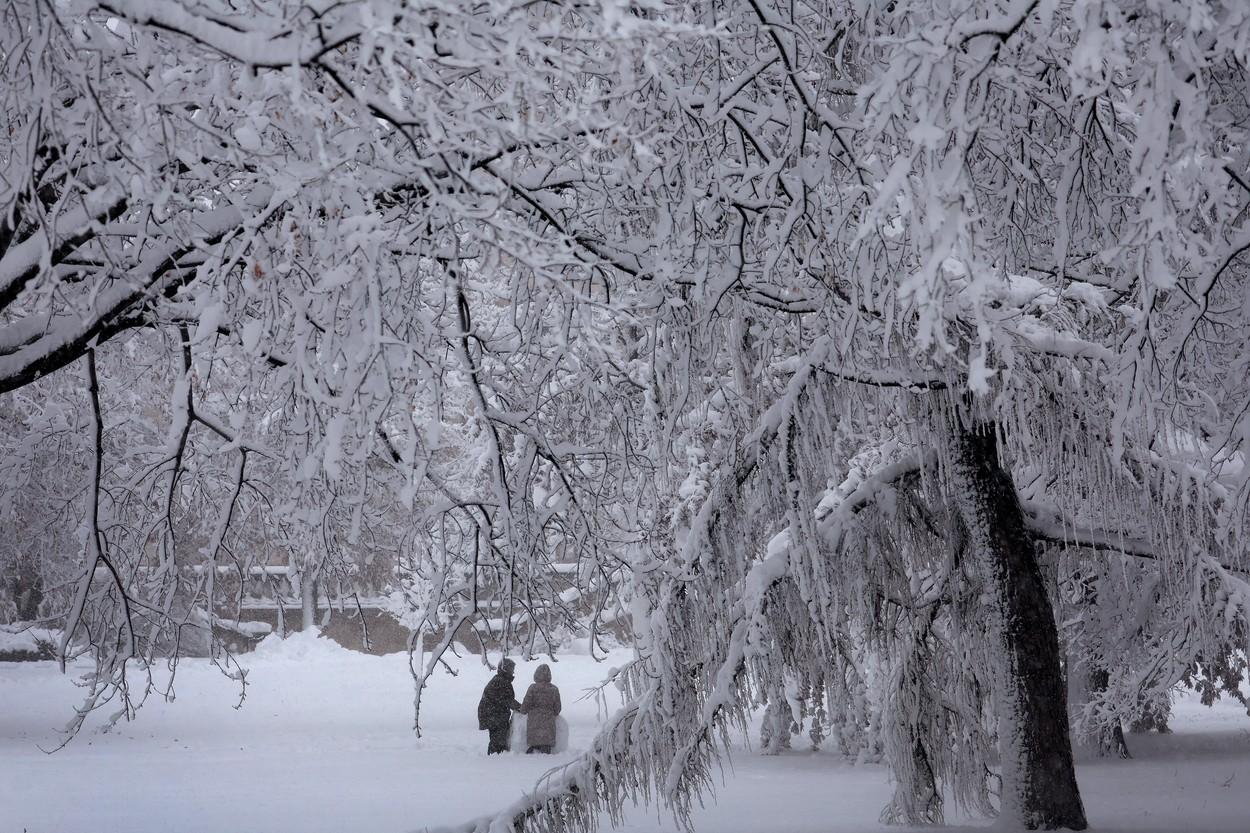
[[385, 635]]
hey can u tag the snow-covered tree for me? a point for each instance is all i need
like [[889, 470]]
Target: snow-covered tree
[[1005, 237], [312, 227], [798, 327]]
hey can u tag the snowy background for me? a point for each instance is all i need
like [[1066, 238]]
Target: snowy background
[[323, 744]]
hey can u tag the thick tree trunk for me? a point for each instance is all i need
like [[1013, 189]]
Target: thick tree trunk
[[1109, 740], [308, 602], [27, 590], [1105, 740], [1154, 716], [776, 729], [1039, 781]]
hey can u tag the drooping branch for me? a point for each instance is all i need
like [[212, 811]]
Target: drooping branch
[[1049, 527], [97, 550], [67, 335], [599, 779]]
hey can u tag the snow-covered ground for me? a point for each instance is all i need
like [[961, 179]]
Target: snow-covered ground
[[27, 641], [323, 743]]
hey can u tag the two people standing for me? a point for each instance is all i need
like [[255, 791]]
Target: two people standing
[[541, 706]]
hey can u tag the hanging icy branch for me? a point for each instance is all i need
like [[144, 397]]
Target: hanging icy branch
[[1047, 526], [633, 749]]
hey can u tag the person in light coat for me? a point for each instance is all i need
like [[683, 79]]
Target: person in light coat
[[540, 707]]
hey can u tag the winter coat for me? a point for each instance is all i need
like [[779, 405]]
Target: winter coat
[[494, 710], [541, 705]]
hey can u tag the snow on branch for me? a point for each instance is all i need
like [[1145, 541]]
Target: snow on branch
[[281, 46], [66, 335], [629, 747], [1002, 25]]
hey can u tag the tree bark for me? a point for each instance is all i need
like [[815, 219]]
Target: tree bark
[[1105, 740], [1154, 716], [308, 602], [1039, 780], [1109, 740], [27, 590]]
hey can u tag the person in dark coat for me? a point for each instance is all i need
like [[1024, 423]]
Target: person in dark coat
[[494, 710], [542, 704]]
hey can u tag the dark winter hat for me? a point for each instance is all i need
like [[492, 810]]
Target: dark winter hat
[[543, 674], [507, 667]]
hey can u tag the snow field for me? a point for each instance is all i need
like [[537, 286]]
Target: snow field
[[323, 744]]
